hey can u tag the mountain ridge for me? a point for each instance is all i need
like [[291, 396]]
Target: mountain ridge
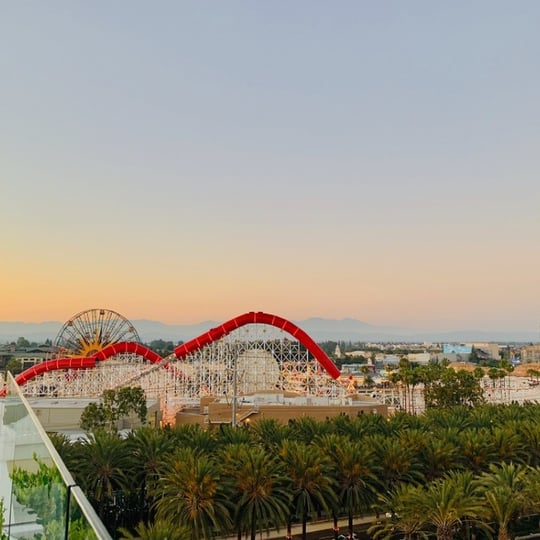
[[319, 328]]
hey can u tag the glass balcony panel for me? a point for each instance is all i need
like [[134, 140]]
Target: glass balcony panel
[[38, 496]]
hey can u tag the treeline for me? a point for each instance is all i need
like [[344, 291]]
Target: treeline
[[461, 472]]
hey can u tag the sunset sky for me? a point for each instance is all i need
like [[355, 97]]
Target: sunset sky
[[193, 160]]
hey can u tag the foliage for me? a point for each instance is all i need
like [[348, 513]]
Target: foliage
[[162, 347], [444, 387], [445, 506], [503, 488], [2, 519], [115, 405], [312, 483], [104, 466], [397, 462], [158, 530], [44, 493], [192, 493], [356, 472], [260, 488], [234, 481], [269, 433], [14, 366], [400, 516], [22, 343]]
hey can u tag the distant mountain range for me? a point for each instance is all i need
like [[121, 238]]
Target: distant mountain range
[[318, 328]]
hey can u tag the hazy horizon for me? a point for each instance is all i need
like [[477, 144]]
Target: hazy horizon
[[192, 161], [308, 318], [319, 328]]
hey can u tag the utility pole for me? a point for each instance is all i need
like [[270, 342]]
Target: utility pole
[[235, 391]]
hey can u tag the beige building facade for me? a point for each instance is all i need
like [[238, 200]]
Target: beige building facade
[[64, 415], [530, 354], [282, 407]]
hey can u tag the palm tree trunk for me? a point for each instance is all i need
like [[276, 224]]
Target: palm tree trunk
[[336, 527], [350, 524], [304, 527], [444, 533], [503, 533]]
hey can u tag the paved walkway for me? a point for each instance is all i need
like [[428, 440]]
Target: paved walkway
[[316, 530]]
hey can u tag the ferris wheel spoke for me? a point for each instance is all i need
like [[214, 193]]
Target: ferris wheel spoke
[[90, 331]]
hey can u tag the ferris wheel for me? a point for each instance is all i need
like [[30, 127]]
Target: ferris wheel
[[92, 330]]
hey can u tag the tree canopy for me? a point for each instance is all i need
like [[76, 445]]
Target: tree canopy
[[114, 406]]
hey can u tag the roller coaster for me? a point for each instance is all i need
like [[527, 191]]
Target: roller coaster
[[99, 349]]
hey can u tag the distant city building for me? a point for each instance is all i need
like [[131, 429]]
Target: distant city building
[[530, 354], [457, 348], [27, 356], [488, 350], [419, 358], [356, 354], [390, 359], [461, 352], [31, 356], [357, 369]]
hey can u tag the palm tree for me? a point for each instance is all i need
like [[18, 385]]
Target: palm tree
[[268, 432], [148, 448], [103, 471], [68, 449], [477, 449], [396, 463], [402, 422], [439, 455], [503, 489], [159, 530], [312, 485], [402, 514], [228, 434], [497, 374], [445, 506], [450, 502], [529, 435], [478, 373], [357, 477], [192, 436], [261, 489], [507, 444], [370, 424], [533, 373], [531, 488], [454, 418], [192, 493], [306, 429], [103, 466]]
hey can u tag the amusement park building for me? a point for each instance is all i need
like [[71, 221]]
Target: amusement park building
[[279, 406], [63, 415]]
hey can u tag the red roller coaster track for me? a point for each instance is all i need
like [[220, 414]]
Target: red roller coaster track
[[183, 350]]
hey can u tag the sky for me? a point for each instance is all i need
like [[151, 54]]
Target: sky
[[194, 160]]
